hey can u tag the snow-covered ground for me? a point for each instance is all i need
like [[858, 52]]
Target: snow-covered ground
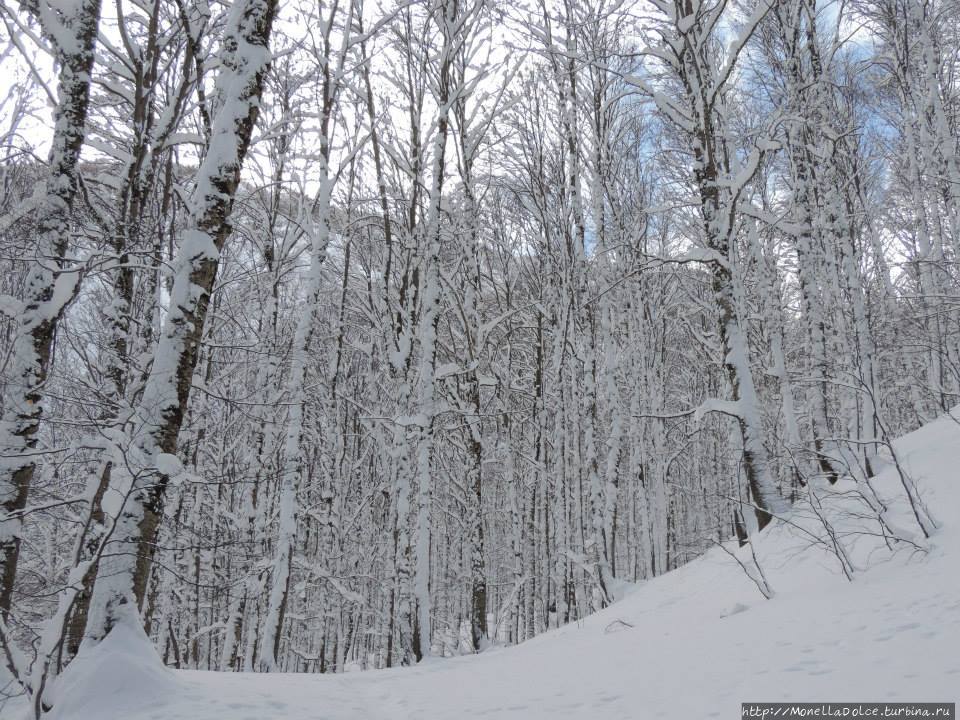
[[691, 644]]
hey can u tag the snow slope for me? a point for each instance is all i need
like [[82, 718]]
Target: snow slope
[[691, 644]]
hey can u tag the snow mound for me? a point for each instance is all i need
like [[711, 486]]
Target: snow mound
[[115, 678]]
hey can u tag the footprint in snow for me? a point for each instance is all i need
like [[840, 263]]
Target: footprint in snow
[[735, 610], [908, 626]]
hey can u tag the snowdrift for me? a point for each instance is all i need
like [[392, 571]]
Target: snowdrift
[[115, 679], [691, 644]]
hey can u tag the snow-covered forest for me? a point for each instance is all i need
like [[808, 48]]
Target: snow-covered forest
[[340, 335]]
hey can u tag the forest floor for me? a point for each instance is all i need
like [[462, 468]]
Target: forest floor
[[691, 644]]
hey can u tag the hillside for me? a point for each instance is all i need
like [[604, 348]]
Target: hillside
[[693, 643]]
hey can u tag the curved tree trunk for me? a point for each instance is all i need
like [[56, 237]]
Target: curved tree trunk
[[151, 436]]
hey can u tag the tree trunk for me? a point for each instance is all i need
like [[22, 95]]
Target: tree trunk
[[151, 438]]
